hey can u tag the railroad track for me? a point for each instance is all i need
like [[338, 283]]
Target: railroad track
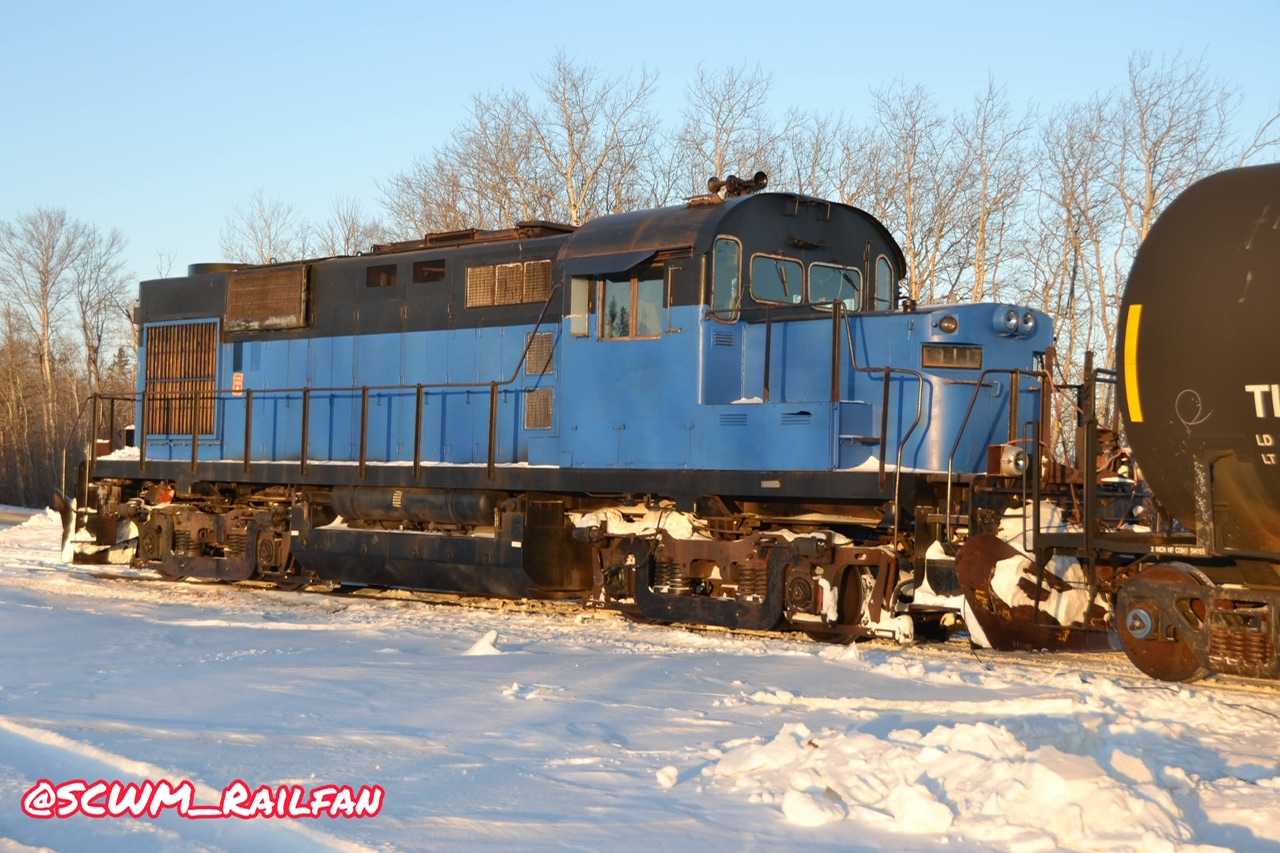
[[1109, 664]]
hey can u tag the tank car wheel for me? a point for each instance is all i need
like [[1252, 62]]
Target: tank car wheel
[[1156, 618]]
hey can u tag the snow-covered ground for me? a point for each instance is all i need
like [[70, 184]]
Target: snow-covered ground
[[504, 730]]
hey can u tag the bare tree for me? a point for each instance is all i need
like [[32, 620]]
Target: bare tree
[[809, 154], [38, 252], [853, 164], [578, 149], [348, 231], [102, 291], [1077, 259], [264, 231], [164, 263], [727, 126], [17, 387], [428, 196], [482, 178], [1171, 128], [496, 161], [590, 137], [916, 188], [1266, 138], [995, 169]]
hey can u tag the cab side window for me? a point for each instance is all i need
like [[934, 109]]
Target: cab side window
[[829, 283], [579, 305], [775, 279], [726, 278], [886, 285], [632, 307]]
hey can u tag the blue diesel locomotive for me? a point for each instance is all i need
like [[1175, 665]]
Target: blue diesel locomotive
[[721, 412]]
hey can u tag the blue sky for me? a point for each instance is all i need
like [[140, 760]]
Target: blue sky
[[158, 118]]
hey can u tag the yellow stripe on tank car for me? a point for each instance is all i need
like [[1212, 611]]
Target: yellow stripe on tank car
[[1131, 363]]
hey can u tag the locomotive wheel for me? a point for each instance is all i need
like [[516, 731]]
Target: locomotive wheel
[[169, 572], [1157, 615], [293, 577], [849, 591], [293, 583]]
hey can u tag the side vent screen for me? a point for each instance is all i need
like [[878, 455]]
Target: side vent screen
[[537, 408], [540, 349], [267, 298], [180, 373]]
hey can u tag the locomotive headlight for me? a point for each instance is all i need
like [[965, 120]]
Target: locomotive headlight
[[1007, 321], [948, 323], [1028, 324], [1013, 461]]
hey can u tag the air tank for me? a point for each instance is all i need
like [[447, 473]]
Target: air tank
[[1198, 358], [447, 506]]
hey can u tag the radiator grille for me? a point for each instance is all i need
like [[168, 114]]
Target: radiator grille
[[480, 286], [540, 349], [508, 284], [537, 408], [267, 298], [179, 378], [510, 288], [537, 281]]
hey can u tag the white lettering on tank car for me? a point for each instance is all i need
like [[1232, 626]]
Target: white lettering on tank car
[[1260, 394]]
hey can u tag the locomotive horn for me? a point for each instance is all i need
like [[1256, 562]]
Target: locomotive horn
[[733, 185]]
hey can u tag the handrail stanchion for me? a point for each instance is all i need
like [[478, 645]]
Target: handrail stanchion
[[93, 431], [195, 431], [768, 349], [364, 430], [417, 434], [248, 427], [884, 426], [493, 428], [306, 431], [835, 350], [142, 432]]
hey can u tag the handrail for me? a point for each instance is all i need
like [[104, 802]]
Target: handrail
[[902, 440], [964, 423], [147, 399], [791, 311]]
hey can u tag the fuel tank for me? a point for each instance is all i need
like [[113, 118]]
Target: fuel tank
[[1198, 357]]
